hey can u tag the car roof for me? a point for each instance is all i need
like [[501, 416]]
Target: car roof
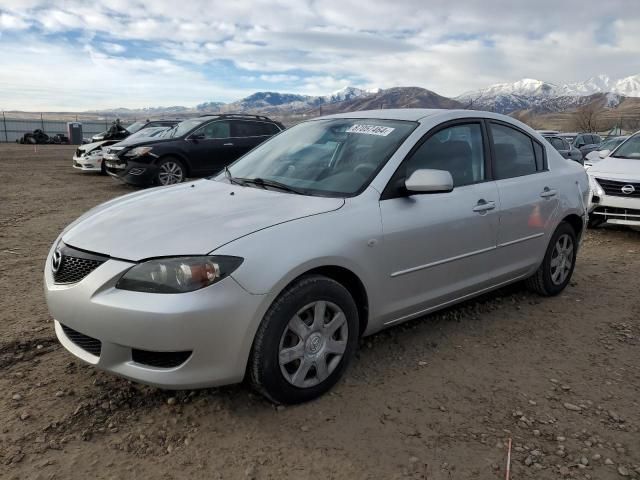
[[410, 114]]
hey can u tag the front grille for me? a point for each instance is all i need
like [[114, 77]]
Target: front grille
[[614, 187], [159, 359], [615, 213], [73, 265], [79, 153], [88, 344]]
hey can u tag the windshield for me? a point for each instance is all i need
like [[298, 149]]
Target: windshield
[[611, 143], [330, 157], [147, 132], [629, 149], [134, 127], [183, 127]]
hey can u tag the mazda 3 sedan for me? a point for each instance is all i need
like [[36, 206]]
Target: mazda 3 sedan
[[339, 227]]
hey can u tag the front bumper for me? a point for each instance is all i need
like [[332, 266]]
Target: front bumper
[[614, 209], [87, 164], [133, 173], [216, 324]]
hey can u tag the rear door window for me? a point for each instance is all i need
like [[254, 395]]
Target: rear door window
[[513, 153], [243, 128]]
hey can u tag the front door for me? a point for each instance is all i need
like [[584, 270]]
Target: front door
[[211, 147], [438, 247]]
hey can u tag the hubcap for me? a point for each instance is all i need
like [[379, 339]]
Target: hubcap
[[313, 344], [170, 173], [561, 259]]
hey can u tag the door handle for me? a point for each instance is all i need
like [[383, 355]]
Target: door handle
[[227, 144], [484, 206], [548, 192]]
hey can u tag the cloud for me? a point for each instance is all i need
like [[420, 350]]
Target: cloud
[[12, 22], [113, 47], [223, 49]]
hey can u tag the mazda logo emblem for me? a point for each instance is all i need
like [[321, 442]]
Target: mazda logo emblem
[[628, 189], [56, 260]]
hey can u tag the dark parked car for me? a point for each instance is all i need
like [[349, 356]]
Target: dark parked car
[[585, 142], [565, 148], [193, 148]]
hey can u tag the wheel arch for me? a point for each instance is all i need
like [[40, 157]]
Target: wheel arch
[[177, 156], [576, 223], [349, 280]]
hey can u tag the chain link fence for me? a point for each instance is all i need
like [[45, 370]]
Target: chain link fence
[[12, 129]]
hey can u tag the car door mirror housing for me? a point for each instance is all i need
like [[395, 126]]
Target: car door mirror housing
[[429, 181], [197, 136], [604, 153]]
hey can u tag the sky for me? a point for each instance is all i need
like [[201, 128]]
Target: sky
[[76, 55]]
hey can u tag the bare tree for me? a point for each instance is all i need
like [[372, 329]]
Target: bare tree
[[631, 124], [529, 118], [588, 118]]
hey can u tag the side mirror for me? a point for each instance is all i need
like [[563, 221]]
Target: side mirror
[[198, 136], [604, 153], [429, 181]]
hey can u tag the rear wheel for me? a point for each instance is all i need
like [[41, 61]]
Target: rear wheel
[[555, 272], [305, 341], [170, 171]]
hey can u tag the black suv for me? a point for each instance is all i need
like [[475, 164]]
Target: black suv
[[193, 148]]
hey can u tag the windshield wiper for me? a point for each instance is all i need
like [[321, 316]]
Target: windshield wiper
[[270, 183], [231, 178]]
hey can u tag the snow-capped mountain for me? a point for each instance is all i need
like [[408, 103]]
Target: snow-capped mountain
[[539, 95]]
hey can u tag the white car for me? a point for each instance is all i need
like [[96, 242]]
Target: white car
[[89, 157], [615, 185]]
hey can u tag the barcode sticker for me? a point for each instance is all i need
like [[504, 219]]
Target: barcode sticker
[[370, 130]]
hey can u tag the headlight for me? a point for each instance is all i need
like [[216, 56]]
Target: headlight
[[95, 152], [138, 152], [595, 187], [177, 275]]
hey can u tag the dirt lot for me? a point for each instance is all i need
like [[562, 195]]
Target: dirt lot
[[437, 398]]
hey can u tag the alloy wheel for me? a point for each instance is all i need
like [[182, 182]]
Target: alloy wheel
[[561, 259], [313, 343], [170, 173]]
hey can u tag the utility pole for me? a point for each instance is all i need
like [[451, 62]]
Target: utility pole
[[4, 121]]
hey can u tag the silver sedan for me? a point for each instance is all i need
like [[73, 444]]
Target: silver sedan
[[334, 229]]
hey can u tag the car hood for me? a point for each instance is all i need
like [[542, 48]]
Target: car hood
[[617, 168], [87, 147], [188, 219]]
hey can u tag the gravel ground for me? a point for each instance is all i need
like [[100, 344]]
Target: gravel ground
[[437, 398]]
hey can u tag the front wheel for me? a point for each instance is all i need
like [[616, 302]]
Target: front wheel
[[305, 341], [170, 172], [556, 269]]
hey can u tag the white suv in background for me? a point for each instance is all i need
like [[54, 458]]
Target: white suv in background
[[615, 186]]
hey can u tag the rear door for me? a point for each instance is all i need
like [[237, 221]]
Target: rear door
[[528, 200], [440, 246], [248, 134]]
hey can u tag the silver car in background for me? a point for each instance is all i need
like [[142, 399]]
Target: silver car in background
[[336, 228]]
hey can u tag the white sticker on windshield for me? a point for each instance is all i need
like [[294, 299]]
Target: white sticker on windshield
[[370, 130]]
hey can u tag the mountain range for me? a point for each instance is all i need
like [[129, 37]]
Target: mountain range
[[523, 95]]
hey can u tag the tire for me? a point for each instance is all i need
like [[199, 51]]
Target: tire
[[547, 281], [314, 363], [170, 171], [103, 168]]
